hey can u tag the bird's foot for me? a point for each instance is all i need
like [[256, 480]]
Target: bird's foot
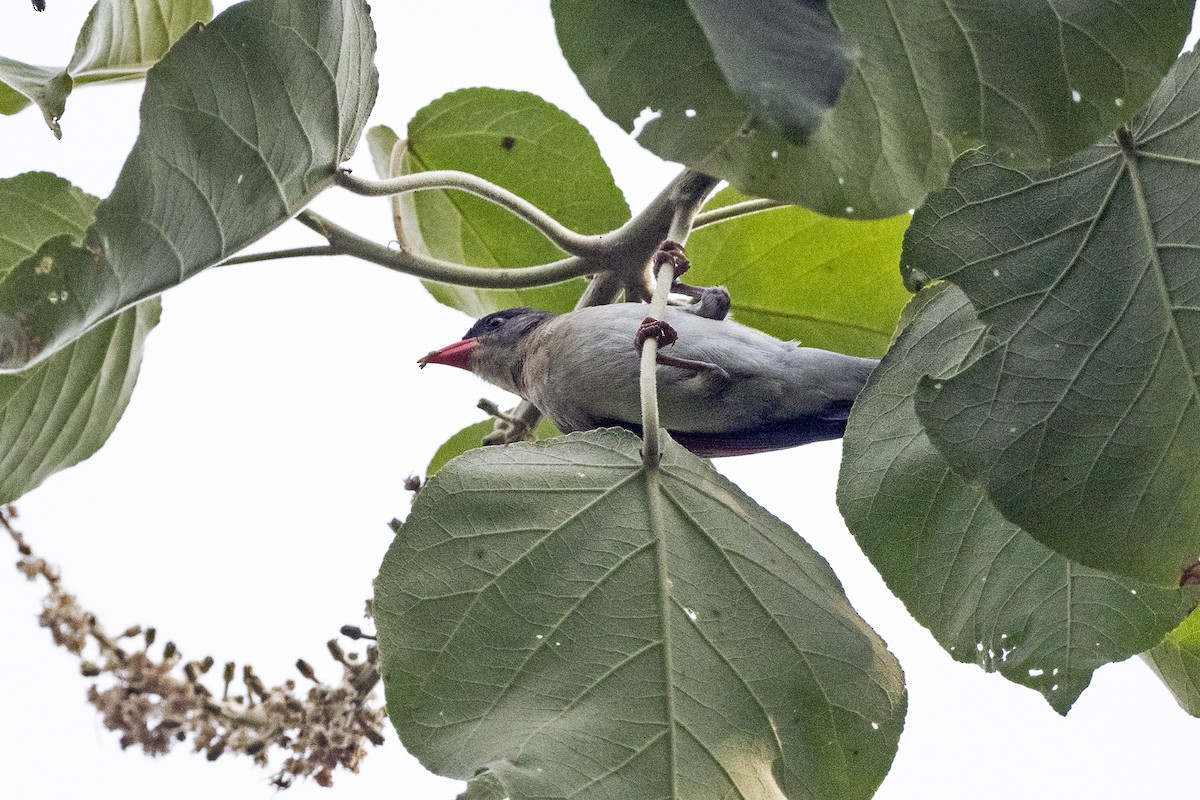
[[665, 335], [657, 329], [671, 253]]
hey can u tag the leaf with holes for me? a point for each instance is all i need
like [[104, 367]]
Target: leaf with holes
[[989, 592], [120, 40], [60, 412], [930, 79], [1080, 415], [520, 142], [555, 621], [826, 282], [243, 122]]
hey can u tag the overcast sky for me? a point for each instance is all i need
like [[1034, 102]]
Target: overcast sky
[[242, 504]]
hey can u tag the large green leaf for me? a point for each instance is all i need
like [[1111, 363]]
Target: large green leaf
[[242, 123], [554, 621], [1081, 415], [1041, 79], [989, 592], [120, 40], [531, 148], [1177, 661], [61, 411], [827, 282], [783, 58]]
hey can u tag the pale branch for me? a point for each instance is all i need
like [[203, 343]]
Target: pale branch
[[682, 199], [425, 267], [681, 226], [651, 448], [624, 251], [564, 238], [743, 209], [273, 255]]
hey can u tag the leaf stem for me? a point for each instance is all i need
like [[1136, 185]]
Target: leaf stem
[[651, 447], [623, 252], [271, 255], [575, 244], [681, 226], [345, 242], [742, 209]]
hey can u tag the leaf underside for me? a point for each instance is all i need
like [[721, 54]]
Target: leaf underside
[[243, 122], [555, 621], [989, 592], [1079, 414], [930, 79], [61, 411], [119, 41]]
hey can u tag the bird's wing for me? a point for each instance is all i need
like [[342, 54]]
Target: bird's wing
[[583, 374], [779, 435]]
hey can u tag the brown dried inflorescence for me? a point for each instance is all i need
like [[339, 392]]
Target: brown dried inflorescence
[[157, 702]]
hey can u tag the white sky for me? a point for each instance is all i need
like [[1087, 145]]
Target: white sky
[[241, 507]]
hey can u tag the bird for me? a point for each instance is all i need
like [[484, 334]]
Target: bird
[[724, 389]]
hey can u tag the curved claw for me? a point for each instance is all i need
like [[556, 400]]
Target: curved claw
[[660, 330], [672, 253]]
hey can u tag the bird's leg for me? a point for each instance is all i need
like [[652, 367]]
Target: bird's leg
[[672, 253], [662, 332], [712, 302]]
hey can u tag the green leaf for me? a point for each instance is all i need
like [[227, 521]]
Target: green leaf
[[1080, 417], [931, 78], [528, 146], [60, 412], [557, 622], [382, 141], [387, 153], [24, 83], [120, 40], [1177, 661], [243, 122], [989, 592], [827, 282], [471, 437], [783, 59]]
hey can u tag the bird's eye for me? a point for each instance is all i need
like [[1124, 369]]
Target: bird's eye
[[494, 323]]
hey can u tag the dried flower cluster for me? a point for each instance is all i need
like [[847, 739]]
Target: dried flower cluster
[[158, 701]]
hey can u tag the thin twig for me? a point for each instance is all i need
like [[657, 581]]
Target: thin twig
[[435, 269], [651, 448], [623, 252], [563, 237], [681, 226], [742, 209], [272, 255]]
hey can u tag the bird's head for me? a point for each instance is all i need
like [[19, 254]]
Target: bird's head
[[495, 347]]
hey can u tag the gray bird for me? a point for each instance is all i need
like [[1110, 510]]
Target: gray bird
[[723, 389]]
